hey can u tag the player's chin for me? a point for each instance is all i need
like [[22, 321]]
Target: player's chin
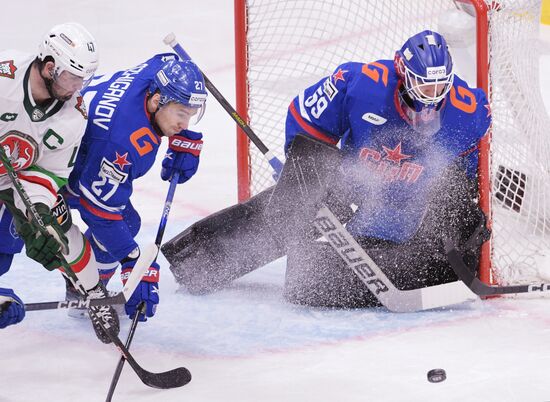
[[64, 97]]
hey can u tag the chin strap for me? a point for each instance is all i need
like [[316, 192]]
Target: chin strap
[[152, 118]]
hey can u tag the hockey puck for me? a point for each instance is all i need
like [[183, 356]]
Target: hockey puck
[[437, 375]]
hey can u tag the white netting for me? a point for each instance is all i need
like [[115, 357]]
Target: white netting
[[520, 146], [293, 43]]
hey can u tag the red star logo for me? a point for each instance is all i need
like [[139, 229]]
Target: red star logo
[[488, 109], [121, 161], [339, 75], [7, 69], [395, 154]]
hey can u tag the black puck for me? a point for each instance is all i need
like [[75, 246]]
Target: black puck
[[437, 375]]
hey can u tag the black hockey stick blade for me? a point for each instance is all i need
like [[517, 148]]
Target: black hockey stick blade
[[477, 286], [174, 378]]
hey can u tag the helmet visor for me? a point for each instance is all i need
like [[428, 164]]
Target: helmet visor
[[65, 84], [191, 109], [174, 117]]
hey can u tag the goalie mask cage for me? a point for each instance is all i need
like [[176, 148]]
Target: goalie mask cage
[[283, 46]]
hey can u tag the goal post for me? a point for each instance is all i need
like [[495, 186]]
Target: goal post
[[283, 46]]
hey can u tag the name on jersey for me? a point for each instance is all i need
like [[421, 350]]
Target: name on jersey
[[388, 164], [108, 170], [110, 99]]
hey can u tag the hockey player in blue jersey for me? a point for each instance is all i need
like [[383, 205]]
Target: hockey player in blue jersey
[[12, 309], [408, 131], [129, 114]]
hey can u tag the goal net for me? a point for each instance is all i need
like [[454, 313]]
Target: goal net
[[283, 46]]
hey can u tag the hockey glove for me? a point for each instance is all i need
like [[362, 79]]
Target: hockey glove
[[182, 156], [12, 309], [44, 249], [147, 290]]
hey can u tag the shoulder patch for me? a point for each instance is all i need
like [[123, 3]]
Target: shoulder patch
[[7, 69], [329, 89], [108, 169]]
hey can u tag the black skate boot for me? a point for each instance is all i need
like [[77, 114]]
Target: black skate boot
[[107, 314]]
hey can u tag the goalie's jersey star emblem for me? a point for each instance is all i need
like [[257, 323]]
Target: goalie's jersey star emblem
[[389, 165], [20, 150], [7, 69]]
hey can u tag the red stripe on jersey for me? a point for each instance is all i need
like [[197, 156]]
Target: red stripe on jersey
[[40, 181], [83, 259], [308, 128], [98, 212]]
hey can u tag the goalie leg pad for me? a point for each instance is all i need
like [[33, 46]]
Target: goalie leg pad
[[317, 276], [223, 247]]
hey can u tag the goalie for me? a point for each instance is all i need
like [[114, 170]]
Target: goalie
[[403, 179]]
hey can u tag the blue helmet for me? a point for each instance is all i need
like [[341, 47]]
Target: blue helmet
[[425, 65], [181, 82]]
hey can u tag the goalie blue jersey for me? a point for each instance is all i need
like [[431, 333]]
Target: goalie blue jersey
[[119, 146], [395, 166]]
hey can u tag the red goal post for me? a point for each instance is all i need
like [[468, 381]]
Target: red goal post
[[282, 46]]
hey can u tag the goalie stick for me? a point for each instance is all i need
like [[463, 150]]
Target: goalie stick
[[480, 288], [168, 379], [369, 272], [377, 282]]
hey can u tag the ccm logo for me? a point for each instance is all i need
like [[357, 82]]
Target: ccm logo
[[374, 119]]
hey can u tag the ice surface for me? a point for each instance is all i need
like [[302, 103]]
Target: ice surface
[[245, 343]]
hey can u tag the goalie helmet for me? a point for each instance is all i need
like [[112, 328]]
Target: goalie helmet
[[72, 49], [181, 82], [426, 68]]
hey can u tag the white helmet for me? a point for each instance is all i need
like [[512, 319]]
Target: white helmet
[[72, 48]]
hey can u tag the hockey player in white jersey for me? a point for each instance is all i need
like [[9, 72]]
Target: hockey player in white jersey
[[42, 121]]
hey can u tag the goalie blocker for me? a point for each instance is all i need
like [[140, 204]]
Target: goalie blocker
[[218, 249]]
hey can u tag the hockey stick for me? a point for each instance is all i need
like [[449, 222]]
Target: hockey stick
[[168, 379], [143, 263], [120, 365], [374, 278], [275, 163], [152, 250], [480, 288], [369, 273]]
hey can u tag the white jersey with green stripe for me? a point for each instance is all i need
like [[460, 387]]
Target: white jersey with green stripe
[[40, 140]]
